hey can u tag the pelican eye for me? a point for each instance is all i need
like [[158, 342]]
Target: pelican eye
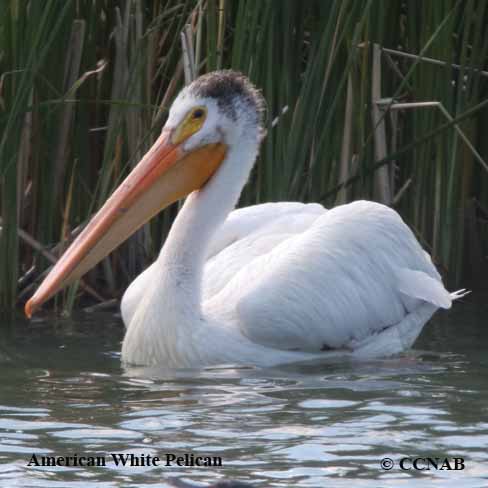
[[193, 122]]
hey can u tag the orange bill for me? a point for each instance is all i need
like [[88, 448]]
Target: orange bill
[[165, 174]]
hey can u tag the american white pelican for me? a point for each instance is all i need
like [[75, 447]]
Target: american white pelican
[[268, 284]]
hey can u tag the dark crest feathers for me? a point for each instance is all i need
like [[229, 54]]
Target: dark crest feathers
[[225, 87]]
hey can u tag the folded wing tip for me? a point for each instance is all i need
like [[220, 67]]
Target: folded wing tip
[[456, 295]]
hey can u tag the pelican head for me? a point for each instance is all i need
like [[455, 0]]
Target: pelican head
[[219, 107], [208, 118]]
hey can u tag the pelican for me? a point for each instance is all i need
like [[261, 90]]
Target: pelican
[[263, 285]]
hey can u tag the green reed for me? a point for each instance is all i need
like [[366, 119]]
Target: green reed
[[85, 87]]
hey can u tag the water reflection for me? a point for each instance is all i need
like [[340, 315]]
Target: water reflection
[[313, 425]]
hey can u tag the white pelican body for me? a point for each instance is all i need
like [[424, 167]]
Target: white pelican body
[[264, 285]]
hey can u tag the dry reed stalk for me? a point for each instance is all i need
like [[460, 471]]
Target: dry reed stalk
[[36, 245], [382, 178]]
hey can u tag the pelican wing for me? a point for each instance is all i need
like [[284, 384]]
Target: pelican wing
[[350, 275], [249, 233], [263, 219]]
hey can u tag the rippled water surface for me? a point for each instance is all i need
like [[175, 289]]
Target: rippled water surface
[[63, 391]]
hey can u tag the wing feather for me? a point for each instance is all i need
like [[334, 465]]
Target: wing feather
[[334, 284], [245, 221], [251, 232]]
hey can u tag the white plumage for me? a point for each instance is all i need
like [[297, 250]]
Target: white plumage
[[302, 282], [264, 285], [277, 282]]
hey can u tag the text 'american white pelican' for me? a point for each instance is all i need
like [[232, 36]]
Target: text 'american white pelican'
[[263, 285]]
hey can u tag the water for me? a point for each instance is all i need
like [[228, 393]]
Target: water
[[63, 391]]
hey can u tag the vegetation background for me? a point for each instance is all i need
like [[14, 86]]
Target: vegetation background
[[376, 99]]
